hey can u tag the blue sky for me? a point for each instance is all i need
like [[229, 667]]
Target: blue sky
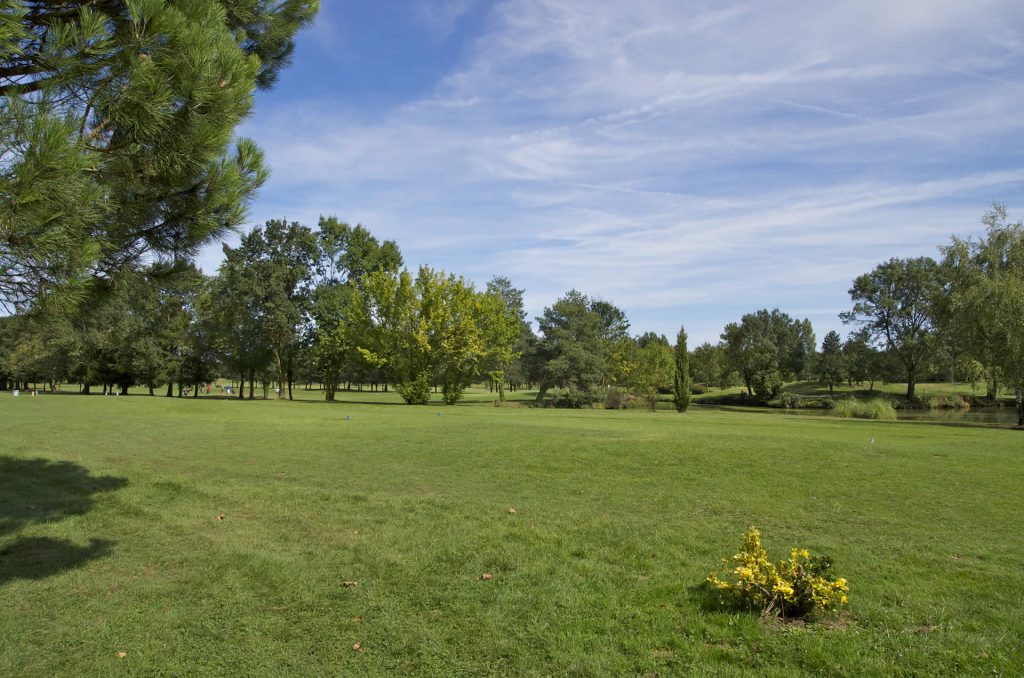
[[688, 161]]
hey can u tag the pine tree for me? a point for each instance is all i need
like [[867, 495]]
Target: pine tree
[[681, 383], [116, 120]]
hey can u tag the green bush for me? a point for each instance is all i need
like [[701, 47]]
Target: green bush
[[452, 392], [791, 401], [879, 408], [876, 408], [572, 398], [416, 391], [615, 399], [766, 384]]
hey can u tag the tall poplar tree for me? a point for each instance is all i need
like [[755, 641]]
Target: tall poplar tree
[[681, 383]]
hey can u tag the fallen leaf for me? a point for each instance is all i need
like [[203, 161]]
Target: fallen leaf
[[487, 576], [220, 516], [511, 509], [357, 647], [357, 620], [350, 584], [122, 655]]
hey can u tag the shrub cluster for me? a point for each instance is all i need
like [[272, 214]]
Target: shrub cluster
[[572, 398], [794, 587], [953, 402], [766, 384], [615, 399], [876, 408]]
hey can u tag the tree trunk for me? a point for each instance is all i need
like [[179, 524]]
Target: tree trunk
[[280, 375], [252, 383], [993, 389], [241, 386], [911, 384], [85, 389], [170, 389], [195, 393], [1018, 393], [181, 389], [150, 388]]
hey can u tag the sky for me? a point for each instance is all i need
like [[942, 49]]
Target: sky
[[687, 161]]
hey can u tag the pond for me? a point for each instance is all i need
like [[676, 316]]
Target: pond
[[978, 415], [1005, 416]]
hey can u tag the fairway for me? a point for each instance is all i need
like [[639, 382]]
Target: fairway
[[304, 538]]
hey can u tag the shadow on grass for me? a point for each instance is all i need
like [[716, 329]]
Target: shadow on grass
[[707, 598], [40, 557], [39, 491]]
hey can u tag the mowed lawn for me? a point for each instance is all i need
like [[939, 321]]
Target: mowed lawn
[[276, 538]]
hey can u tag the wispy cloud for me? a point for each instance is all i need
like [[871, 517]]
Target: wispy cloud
[[688, 161]]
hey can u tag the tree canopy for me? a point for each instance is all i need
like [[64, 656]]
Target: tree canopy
[[116, 124], [896, 304], [768, 347], [578, 338], [983, 304]]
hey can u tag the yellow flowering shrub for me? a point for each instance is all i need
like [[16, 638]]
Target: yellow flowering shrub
[[793, 587]]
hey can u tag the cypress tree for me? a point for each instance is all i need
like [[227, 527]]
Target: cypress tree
[[681, 383]]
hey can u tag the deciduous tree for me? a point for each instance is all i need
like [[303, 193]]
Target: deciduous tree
[[984, 298], [895, 303]]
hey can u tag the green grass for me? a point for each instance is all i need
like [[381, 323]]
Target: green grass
[[110, 542]]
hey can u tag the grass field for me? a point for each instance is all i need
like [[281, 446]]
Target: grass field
[[269, 538]]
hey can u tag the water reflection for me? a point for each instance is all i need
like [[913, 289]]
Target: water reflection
[[978, 415]]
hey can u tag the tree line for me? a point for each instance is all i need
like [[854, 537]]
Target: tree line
[[334, 306], [119, 163], [960, 318]]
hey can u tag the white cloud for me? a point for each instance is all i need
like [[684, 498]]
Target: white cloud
[[672, 156]]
